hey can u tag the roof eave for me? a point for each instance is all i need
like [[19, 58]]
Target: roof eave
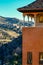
[[33, 10]]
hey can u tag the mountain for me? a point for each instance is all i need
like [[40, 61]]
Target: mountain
[[11, 40], [8, 19], [15, 21], [7, 31], [11, 28]]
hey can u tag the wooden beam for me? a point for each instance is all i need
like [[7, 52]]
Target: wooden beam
[[32, 13]]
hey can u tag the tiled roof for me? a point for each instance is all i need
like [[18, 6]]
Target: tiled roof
[[36, 5]]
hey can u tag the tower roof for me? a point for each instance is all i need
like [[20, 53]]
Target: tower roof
[[34, 6]]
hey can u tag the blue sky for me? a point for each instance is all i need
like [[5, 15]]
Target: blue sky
[[8, 8]]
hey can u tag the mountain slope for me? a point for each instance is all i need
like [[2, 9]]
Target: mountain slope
[[11, 46], [12, 28]]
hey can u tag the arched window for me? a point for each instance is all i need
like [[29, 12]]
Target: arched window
[[41, 19], [29, 58], [41, 57]]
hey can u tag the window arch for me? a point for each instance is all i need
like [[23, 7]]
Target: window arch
[[41, 19], [41, 57]]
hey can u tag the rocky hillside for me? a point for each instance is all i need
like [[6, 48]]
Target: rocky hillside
[[11, 40]]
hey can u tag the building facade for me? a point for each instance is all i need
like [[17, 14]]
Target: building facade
[[32, 37], [32, 46]]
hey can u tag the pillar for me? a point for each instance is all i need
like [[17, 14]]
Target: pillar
[[31, 19], [28, 17], [23, 20], [35, 19], [38, 18]]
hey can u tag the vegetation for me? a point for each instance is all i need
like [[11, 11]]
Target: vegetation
[[11, 53]]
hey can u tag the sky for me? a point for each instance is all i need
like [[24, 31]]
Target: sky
[[8, 8]]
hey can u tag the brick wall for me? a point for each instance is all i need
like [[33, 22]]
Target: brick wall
[[32, 42]]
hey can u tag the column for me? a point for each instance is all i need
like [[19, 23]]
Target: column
[[23, 20], [31, 19], [35, 19], [38, 18], [28, 17]]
